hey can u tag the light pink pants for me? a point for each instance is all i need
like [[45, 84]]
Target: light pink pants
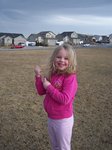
[[60, 133]]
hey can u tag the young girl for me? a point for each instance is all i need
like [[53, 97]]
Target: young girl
[[60, 89]]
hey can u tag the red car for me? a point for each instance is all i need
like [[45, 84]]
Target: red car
[[17, 46]]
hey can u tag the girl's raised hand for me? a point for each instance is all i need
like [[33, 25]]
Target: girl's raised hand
[[46, 83], [37, 71]]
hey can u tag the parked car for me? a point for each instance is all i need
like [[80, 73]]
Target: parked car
[[30, 43], [16, 46], [59, 43], [86, 45], [21, 44]]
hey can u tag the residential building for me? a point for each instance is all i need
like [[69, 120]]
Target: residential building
[[7, 39]]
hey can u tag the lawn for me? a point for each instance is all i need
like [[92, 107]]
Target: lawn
[[23, 122]]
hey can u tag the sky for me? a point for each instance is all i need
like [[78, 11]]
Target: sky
[[33, 16]]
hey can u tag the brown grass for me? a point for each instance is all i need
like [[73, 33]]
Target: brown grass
[[23, 122]]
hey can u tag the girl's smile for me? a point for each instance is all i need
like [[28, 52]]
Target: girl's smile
[[61, 61]]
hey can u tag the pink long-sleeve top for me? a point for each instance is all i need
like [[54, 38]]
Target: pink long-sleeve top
[[59, 95]]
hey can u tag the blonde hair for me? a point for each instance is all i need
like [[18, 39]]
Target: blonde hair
[[71, 59]]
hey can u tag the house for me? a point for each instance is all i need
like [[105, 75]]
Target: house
[[97, 38], [7, 39], [86, 39], [32, 38], [70, 36], [110, 38], [105, 39], [19, 39], [45, 38], [82, 38], [101, 38]]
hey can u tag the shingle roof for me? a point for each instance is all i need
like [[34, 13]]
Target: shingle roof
[[110, 36], [32, 37], [64, 34], [12, 35], [43, 33], [67, 33]]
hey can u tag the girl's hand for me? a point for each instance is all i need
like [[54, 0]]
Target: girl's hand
[[37, 71], [46, 83]]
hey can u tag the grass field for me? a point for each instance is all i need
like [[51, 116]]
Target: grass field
[[23, 122]]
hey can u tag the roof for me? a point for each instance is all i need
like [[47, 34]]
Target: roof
[[12, 35], [32, 37], [110, 36], [64, 34], [43, 33], [67, 33]]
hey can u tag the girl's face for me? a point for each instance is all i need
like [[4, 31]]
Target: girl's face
[[61, 61]]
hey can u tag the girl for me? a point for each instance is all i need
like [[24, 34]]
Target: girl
[[60, 89]]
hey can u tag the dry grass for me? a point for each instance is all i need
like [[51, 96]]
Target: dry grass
[[23, 122]]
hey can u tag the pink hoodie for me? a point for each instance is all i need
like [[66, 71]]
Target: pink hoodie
[[59, 95]]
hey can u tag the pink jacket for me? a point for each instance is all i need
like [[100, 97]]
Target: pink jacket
[[59, 96]]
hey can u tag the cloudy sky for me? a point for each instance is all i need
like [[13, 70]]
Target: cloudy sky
[[33, 16]]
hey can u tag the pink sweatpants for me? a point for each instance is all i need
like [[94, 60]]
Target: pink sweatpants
[[60, 133]]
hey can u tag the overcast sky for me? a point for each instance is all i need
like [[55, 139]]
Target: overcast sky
[[33, 16]]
